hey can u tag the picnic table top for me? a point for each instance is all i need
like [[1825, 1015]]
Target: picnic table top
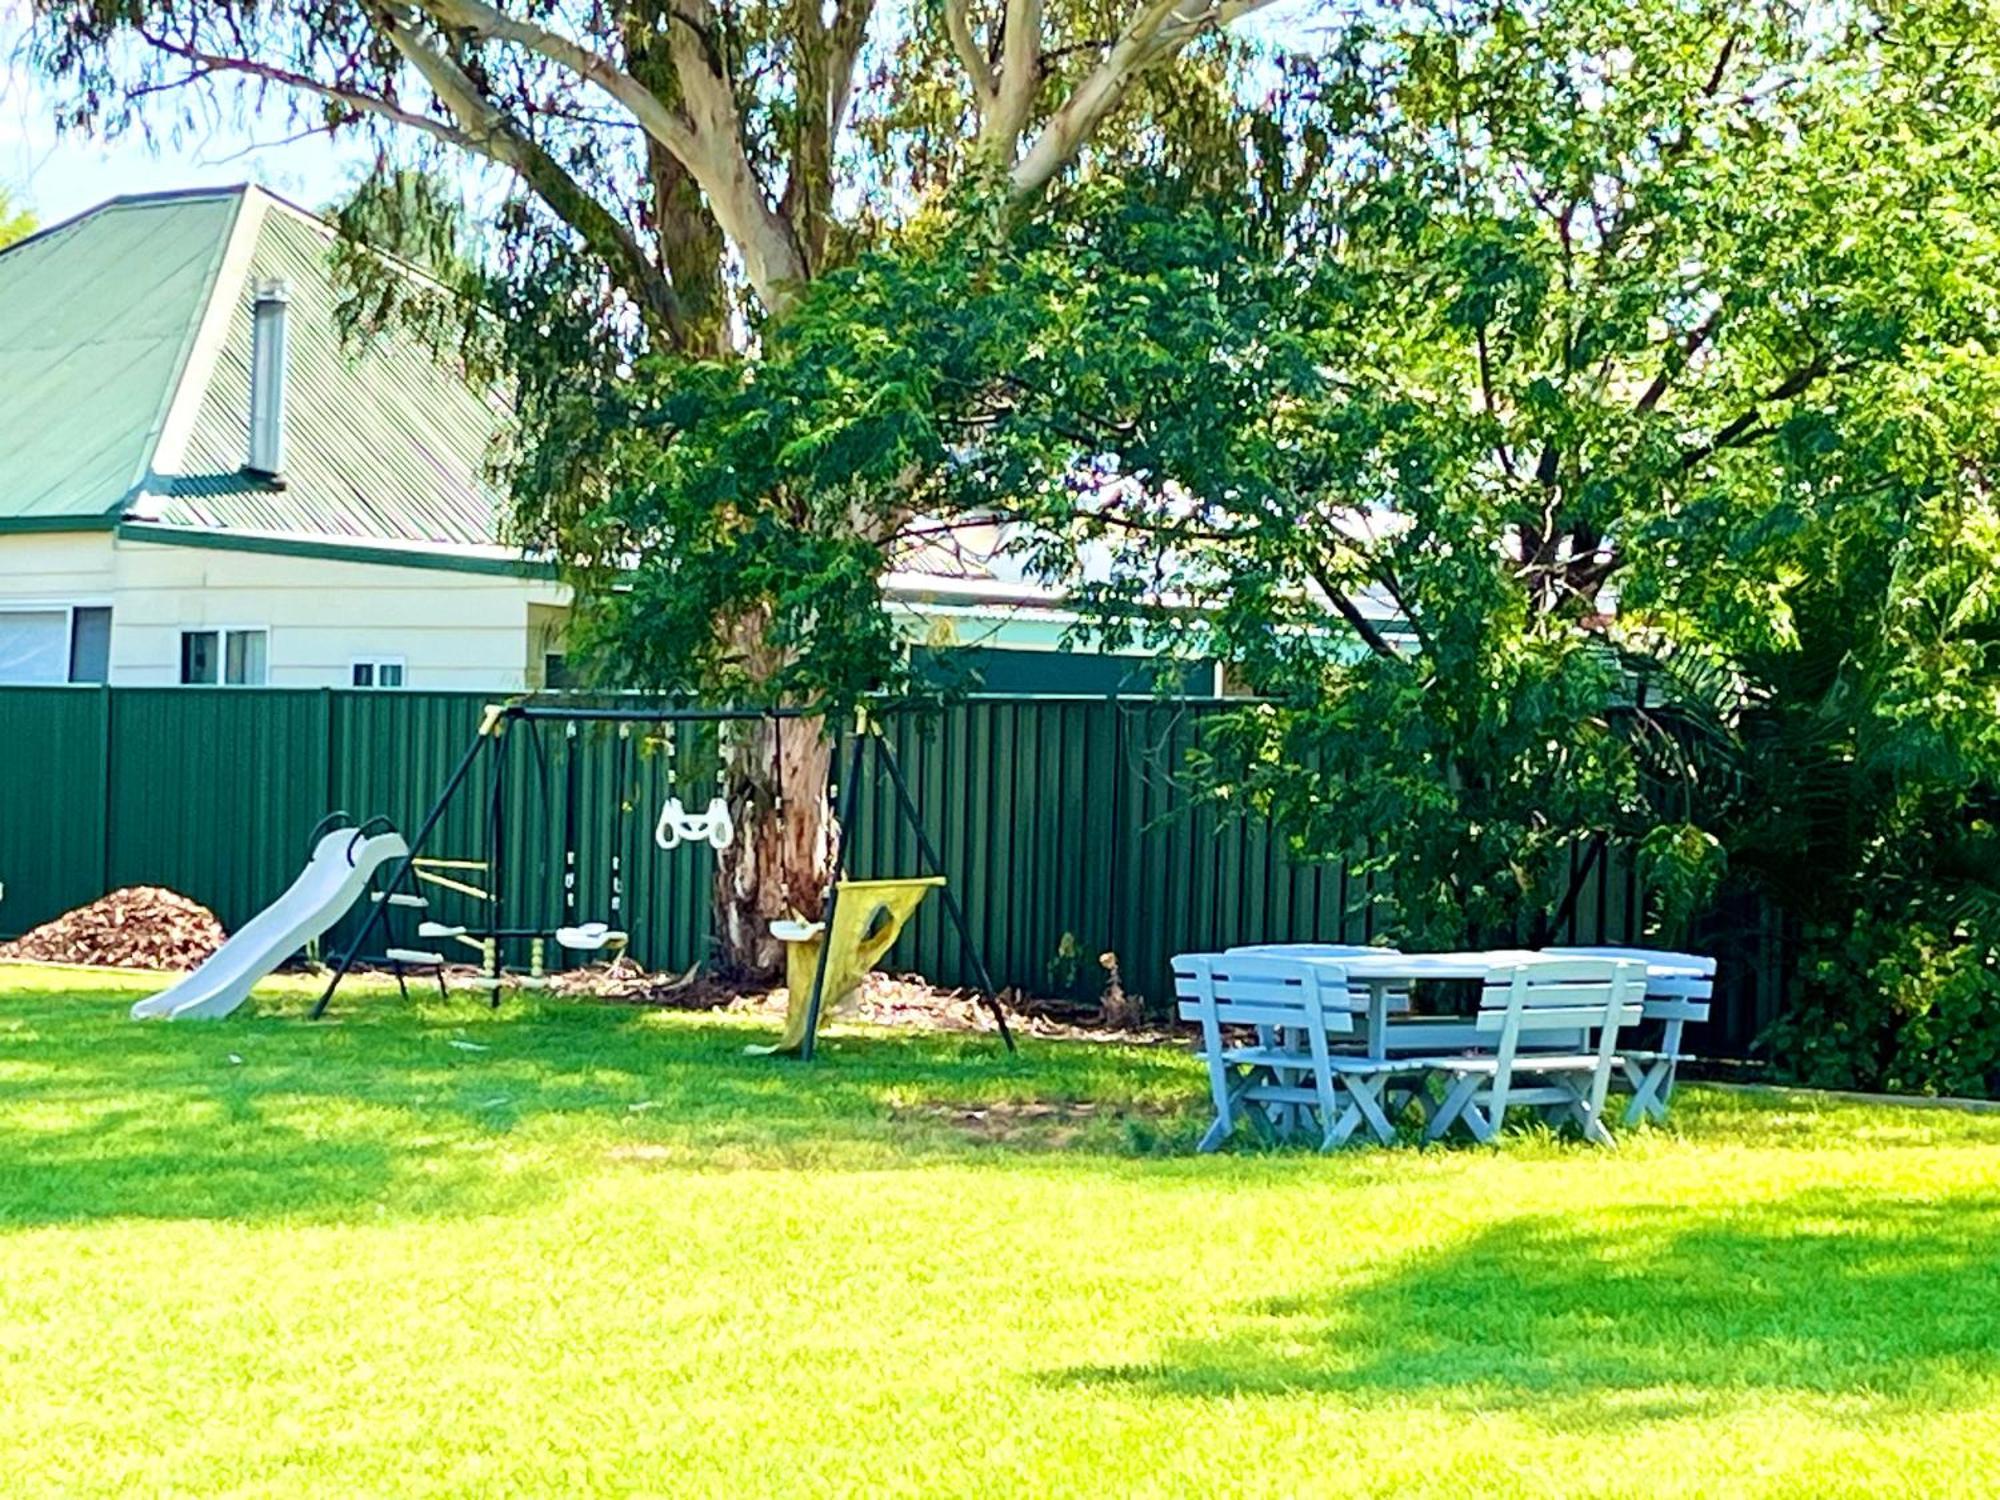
[[1468, 964]]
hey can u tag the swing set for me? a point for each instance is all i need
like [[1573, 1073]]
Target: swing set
[[826, 960]]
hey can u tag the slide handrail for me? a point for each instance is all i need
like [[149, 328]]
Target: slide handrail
[[386, 825], [325, 826]]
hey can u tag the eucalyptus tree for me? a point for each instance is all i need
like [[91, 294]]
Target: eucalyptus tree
[[680, 175]]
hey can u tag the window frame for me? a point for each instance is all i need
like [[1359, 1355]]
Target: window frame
[[377, 663], [67, 608], [222, 632]]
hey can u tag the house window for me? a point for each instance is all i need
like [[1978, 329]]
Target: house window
[[90, 644], [237, 658], [379, 672], [55, 643]]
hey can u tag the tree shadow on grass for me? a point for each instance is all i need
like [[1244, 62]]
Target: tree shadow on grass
[[448, 1108], [1636, 1316]]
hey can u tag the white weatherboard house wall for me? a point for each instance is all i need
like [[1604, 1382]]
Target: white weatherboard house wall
[[448, 628]]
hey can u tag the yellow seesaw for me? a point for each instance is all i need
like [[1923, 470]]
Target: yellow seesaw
[[868, 916]]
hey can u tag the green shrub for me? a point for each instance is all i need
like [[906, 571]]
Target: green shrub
[[1898, 1002]]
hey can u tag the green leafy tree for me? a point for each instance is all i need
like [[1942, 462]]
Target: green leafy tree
[[1853, 742], [1612, 451], [683, 172]]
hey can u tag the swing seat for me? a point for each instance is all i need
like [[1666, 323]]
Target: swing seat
[[590, 937], [868, 916]]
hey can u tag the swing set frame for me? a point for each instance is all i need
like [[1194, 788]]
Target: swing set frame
[[855, 738]]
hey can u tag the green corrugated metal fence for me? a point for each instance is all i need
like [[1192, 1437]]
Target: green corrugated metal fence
[[54, 801], [1063, 824]]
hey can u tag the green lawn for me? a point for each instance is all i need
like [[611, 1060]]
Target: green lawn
[[596, 1250]]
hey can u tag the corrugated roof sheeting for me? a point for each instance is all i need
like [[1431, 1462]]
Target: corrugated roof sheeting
[[96, 317], [380, 442]]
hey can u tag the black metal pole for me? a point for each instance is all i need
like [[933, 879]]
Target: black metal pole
[[953, 910], [496, 834], [621, 822], [845, 815], [654, 715], [402, 870], [572, 871]]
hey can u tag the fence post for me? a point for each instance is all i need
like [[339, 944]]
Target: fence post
[[1114, 872], [104, 784]]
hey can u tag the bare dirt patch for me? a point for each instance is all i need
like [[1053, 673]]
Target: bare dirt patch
[[1053, 1124]]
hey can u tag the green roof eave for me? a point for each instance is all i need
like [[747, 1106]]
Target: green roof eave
[[334, 551], [14, 525]]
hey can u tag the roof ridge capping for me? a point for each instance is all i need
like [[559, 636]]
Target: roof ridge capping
[[319, 223]]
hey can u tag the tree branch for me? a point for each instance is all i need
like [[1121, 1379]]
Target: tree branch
[[670, 129], [491, 133], [212, 62], [1017, 83], [1385, 577], [707, 137], [1672, 365], [1748, 424], [1500, 448], [1158, 31], [844, 42], [771, 252], [1359, 623], [1672, 151], [958, 27]]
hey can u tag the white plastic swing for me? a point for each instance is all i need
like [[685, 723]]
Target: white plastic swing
[[677, 825]]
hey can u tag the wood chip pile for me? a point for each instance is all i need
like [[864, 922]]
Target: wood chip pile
[[140, 927]]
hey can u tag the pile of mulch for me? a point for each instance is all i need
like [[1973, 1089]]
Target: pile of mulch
[[139, 927]]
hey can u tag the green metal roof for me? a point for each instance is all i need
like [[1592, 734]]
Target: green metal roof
[[96, 319], [106, 329], [380, 442]]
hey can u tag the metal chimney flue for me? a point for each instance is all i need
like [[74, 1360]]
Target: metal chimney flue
[[267, 379]]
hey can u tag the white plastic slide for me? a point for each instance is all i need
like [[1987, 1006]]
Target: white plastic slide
[[333, 880]]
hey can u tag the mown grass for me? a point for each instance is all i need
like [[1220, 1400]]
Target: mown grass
[[578, 1249]]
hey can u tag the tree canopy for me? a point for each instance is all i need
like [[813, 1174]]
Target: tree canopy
[[1573, 420], [708, 157]]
